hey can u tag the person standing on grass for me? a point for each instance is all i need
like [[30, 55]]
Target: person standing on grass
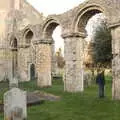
[[100, 80]]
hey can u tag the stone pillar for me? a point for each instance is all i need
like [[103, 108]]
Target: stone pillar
[[5, 64], [115, 31], [53, 66], [43, 62], [73, 79], [9, 57], [24, 59]]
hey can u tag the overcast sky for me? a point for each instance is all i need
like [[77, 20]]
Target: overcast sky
[[55, 7]]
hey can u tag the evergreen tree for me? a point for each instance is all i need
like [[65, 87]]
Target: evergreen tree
[[102, 49]]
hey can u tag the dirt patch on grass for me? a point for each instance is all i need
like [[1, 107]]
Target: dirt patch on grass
[[47, 96]]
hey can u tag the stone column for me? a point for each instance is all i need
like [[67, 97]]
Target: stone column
[[115, 31], [53, 66], [73, 79], [24, 59], [43, 62], [5, 64]]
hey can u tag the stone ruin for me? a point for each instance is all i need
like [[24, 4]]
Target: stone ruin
[[26, 39]]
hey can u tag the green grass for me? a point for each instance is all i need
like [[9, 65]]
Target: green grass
[[74, 106]]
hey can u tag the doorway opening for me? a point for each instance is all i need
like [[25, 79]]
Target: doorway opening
[[32, 75]]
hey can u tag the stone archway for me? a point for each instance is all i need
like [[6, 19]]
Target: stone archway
[[49, 27], [78, 26], [74, 41], [83, 15], [81, 20], [73, 31], [45, 53]]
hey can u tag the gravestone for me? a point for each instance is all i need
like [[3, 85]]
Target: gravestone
[[13, 83], [15, 103]]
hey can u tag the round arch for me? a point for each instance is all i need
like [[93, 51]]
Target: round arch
[[49, 27], [48, 30], [83, 15], [13, 42], [28, 35]]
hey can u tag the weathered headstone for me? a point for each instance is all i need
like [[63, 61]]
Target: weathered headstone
[[13, 83], [87, 78], [15, 105]]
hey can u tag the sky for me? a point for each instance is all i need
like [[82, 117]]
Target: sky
[[48, 7], [54, 6]]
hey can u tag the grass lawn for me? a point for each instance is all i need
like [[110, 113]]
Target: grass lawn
[[73, 106]]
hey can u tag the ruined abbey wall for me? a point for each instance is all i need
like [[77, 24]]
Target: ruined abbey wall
[[26, 41]]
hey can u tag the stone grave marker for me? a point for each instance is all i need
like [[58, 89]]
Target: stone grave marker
[[15, 104], [13, 83]]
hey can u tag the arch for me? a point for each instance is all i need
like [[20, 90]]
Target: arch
[[28, 35], [49, 27], [83, 15], [14, 42]]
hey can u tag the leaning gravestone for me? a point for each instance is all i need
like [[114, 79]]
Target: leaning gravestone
[[15, 104]]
